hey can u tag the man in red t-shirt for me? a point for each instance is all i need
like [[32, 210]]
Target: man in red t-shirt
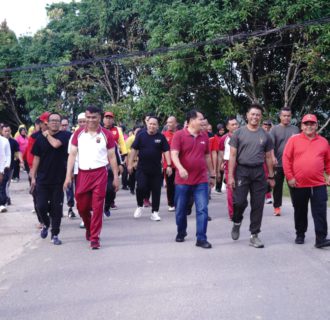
[[171, 124], [306, 158], [191, 156]]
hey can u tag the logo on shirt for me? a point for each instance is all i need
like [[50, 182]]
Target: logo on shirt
[[202, 142], [157, 141], [261, 140], [98, 140]]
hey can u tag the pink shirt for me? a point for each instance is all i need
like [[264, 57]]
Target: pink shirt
[[192, 151], [23, 142]]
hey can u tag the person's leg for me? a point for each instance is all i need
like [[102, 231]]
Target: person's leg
[[10, 175], [3, 186], [99, 186], [124, 178], [258, 189], [155, 182], [278, 189], [319, 198], [56, 205], [131, 181], [182, 193], [141, 187], [300, 198], [110, 192], [240, 193], [170, 188], [43, 198], [200, 193], [229, 196]]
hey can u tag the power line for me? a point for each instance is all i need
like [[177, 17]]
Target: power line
[[163, 50]]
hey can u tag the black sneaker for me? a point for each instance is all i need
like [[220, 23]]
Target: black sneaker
[[255, 241], [44, 232], [180, 238], [235, 231], [203, 244], [56, 241], [71, 214], [322, 243], [299, 240]]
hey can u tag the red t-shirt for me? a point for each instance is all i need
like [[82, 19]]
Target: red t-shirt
[[306, 160], [169, 137], [192, 151]]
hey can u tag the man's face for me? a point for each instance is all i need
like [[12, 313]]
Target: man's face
[[197, 123], [209, 128], [266, 127], [54, 122], [232, 125], [81, 122], [92, 120], [285, 117], [108, 121], [6, 132], [254, 117], [171, 123], [204, 124], [64, 125], [309, 128], [152, 126]]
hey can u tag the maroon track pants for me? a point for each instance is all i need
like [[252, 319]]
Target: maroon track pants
[[90, 194]]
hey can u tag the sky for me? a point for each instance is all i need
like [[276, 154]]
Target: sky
[[25, 16]]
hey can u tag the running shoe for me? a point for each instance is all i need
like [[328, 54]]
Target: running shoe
[[155, 216], [138, 212], [277, 212]]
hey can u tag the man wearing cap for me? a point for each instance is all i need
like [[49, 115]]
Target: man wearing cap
[[96, 147], [306, 158], [280, 135], [109, 123]]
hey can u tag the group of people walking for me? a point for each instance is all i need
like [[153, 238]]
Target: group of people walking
[[189, 160]]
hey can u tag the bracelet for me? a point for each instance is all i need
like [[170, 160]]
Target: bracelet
[[271, 178]]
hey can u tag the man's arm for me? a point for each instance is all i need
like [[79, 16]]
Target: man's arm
[[231, 167], [114, 167], [131, 158], [210, 168], [270, 167], [55, 143], [175, 159], [169, 162], [33, 172], [7, 154], [70, 164]]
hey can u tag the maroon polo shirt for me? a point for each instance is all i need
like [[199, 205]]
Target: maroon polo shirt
[[192, 151]]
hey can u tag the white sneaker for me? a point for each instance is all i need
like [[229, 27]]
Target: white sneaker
[[82, 225], [269, 201], [155, 216], [3, 209], [171, 209], [138, 212]]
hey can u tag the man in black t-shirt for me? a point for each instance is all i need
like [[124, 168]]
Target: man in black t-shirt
[[48, 175], [249, 147], [149, 145]]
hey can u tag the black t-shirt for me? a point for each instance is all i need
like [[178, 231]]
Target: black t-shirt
[[52, 166], [150, 149], [14, 147]]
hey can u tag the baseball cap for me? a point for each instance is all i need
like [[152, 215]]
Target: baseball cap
[[109, 114], [44, 117], [309, 118]]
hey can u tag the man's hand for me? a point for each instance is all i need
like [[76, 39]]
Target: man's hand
[[116, 183], [130, 169], [33, 184], [292, 183], [231, 182], [67, 183], [212, 182], [183, 173], [169, 171], [271, 183], [328, 180]]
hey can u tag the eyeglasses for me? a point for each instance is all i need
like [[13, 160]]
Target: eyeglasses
[[54, 120]]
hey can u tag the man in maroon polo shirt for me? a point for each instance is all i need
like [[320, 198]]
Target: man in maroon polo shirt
[[96, 147], [191, 156]]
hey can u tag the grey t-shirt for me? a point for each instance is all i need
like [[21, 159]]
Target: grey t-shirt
[[280, 135], [251, 146]]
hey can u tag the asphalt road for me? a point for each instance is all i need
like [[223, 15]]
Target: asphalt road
[[141, 273]]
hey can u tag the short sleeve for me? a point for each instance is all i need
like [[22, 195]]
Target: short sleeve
[[136, 143], [269, 144], [36, 150], [165, 145], [234, 140], [176, 142]]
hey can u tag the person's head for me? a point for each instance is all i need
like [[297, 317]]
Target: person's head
[[220, 129], [65, 124], [194, 120], [22, 131], [309, 125], [171, 123], [108, 119], [152, 125], [205, 124], [136, 130], [37, 125], [231, 124], [81, 119], [285, 116], [254, 115], [93, 117], [54, 122], [6, 130], [1, 126], [267, 125]]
